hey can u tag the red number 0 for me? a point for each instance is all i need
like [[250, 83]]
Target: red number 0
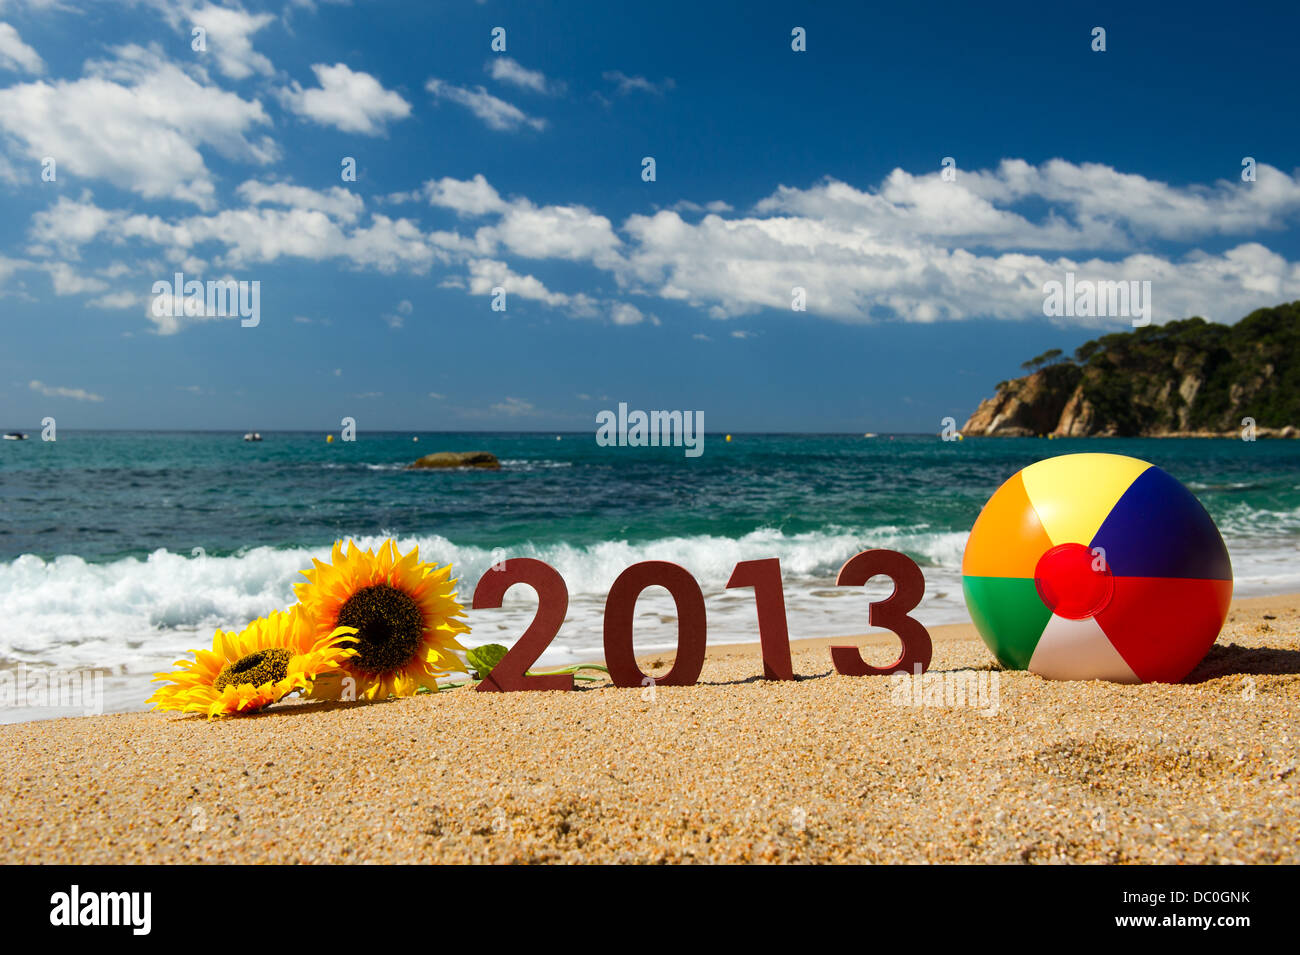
[[552, 604], [890, 613], [620, 606]]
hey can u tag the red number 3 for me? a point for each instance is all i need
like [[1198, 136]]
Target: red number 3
[[890, 613]]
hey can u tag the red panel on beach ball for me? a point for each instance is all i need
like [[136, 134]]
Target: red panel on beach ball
[[1164, 626]]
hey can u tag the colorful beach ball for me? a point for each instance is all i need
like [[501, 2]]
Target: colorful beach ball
[[1097, 567]]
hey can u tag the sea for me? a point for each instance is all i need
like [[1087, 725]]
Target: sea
[[122, 550]]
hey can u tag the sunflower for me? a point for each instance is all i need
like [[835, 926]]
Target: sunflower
[[246, 671], [405, 615]]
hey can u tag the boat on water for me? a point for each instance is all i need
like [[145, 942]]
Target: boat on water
[[15, 436], [252, 436]]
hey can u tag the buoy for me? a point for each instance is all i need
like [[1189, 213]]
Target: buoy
[[329, 439], [728, 437], [1097, 567]]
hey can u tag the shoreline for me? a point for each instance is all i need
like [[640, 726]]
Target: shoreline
[[877, 646], [736, 768]]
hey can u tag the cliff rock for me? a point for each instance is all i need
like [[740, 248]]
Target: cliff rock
[[1186, 378]]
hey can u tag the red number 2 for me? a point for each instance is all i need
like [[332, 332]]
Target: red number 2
[[890, 613], [552, 604]]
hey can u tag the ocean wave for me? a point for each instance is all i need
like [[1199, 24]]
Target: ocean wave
[[534, 464], [1243, 521], [70, 611]]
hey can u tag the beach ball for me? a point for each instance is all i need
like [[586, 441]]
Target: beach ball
[[1097, 567]]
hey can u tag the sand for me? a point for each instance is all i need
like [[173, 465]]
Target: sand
[[734, 769]]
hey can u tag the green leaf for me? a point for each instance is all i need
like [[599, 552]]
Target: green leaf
[[484, 658]]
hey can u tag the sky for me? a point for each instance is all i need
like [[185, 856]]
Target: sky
[[223, 154]]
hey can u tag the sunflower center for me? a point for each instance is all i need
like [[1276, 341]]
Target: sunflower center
[[390, 628], [264, 666]]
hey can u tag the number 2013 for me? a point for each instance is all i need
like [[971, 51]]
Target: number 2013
[[764, 576]]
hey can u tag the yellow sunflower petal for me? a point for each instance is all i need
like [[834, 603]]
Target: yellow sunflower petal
[[329, 588], [192, 688]]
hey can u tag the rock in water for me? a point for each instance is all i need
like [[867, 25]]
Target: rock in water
[[458, 459]]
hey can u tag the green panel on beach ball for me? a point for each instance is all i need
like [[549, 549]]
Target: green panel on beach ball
[[1009, 615]]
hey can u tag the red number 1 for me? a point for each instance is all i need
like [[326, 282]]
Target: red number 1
[[769, 599]]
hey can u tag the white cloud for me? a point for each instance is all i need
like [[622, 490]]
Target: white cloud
[[504, 69], [637, 84], [920, 249], [495, 112], [397, 318], [487, 274], [16, 55], [350, 101], [69, 224], [336, 202], [624, 313], [471, 197], [252, 235], [574, 233], [52, 391], [1093, 206], [116, 300], [514, 408], [68, 281], [736, 267], [914, 248], [137, 122], [717, 206], [229, 38]]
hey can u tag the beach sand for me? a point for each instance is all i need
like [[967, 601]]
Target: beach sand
[[735, 769]]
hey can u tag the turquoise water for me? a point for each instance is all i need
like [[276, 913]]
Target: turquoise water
[[123, 549], [105, 496]]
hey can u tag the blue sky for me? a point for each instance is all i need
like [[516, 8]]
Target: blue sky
[[522, 170]]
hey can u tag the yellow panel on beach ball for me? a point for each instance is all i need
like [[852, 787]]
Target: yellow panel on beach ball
[[1073, 494]]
